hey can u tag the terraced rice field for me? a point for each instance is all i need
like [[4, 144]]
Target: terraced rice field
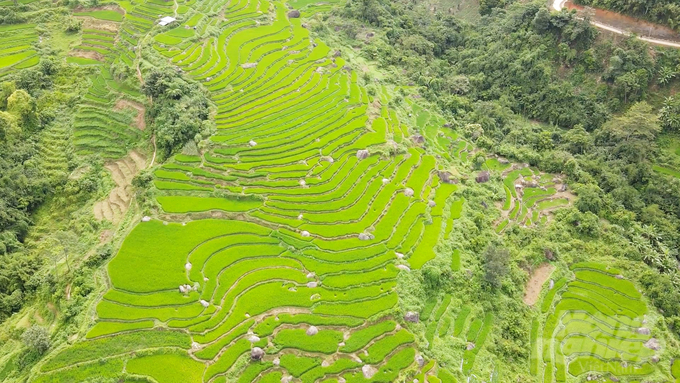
[[530, 196], [17, 47], [596, 324], [287, 234]]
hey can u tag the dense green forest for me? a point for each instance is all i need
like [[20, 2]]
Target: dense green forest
[[659, 11]]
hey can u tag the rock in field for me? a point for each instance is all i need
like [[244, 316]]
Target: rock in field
[[204, 303], [362, 154], [312, 330], [146, 218], [368, 371], [408, 192], [256, 353], [653, 344], [412, 317], [643, 331], [253, 339], [294, 14], [420, 360], [403, 268]]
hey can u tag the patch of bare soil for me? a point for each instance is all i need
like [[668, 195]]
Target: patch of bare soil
[[140, 122], [91, 23], [107, 7], [114, 207], [87, 55], [538, 278]]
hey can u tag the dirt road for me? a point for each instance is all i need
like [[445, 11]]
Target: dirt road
[[598, 22]]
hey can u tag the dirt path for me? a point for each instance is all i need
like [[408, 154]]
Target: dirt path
[[624, 25], [538, 278]]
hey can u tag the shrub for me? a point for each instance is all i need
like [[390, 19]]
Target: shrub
[[37, 339]]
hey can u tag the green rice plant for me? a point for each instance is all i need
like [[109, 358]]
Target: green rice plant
[[534, 359], [185, 204], [167, 368], [268, 325], [444, 326], [445, 376], [107, 328], [325, 341], [362, 309], [120, 344], [211, 351], [383, 347], [443, 307], [461, 319], [227, 358], [429, 307], [298, 365], [104, 369], [340, 365], [253, 370], [361, 338], [389, 371]]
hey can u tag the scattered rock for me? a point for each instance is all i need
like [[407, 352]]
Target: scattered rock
[[418, 139], [252, 143], [431, 203], [549, 255], [204, 303], [286, 379], [370, 34], [399, 255], [445, 177], [325, 364], [366, 236], [653, 344], [312, 330], [643, 331], [470, 346], [385, 181], [300, 216], [368, 371], [337, 54], [294, 14], [408, 192], [420, 360], [253, 339], [146, 218], [483, 177], [412, 317], [619, 276], [328, 159], [276, 361], [248, 65], [655, 359], [552, 284], [362, 154], [403, 267], [195, 346], [304, 233], [312, 285], [256, 353], [303, 183], [187, 266], [562, 188], [311, 275], [341, 380]]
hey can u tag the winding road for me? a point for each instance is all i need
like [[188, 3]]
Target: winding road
[[558, 5]]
